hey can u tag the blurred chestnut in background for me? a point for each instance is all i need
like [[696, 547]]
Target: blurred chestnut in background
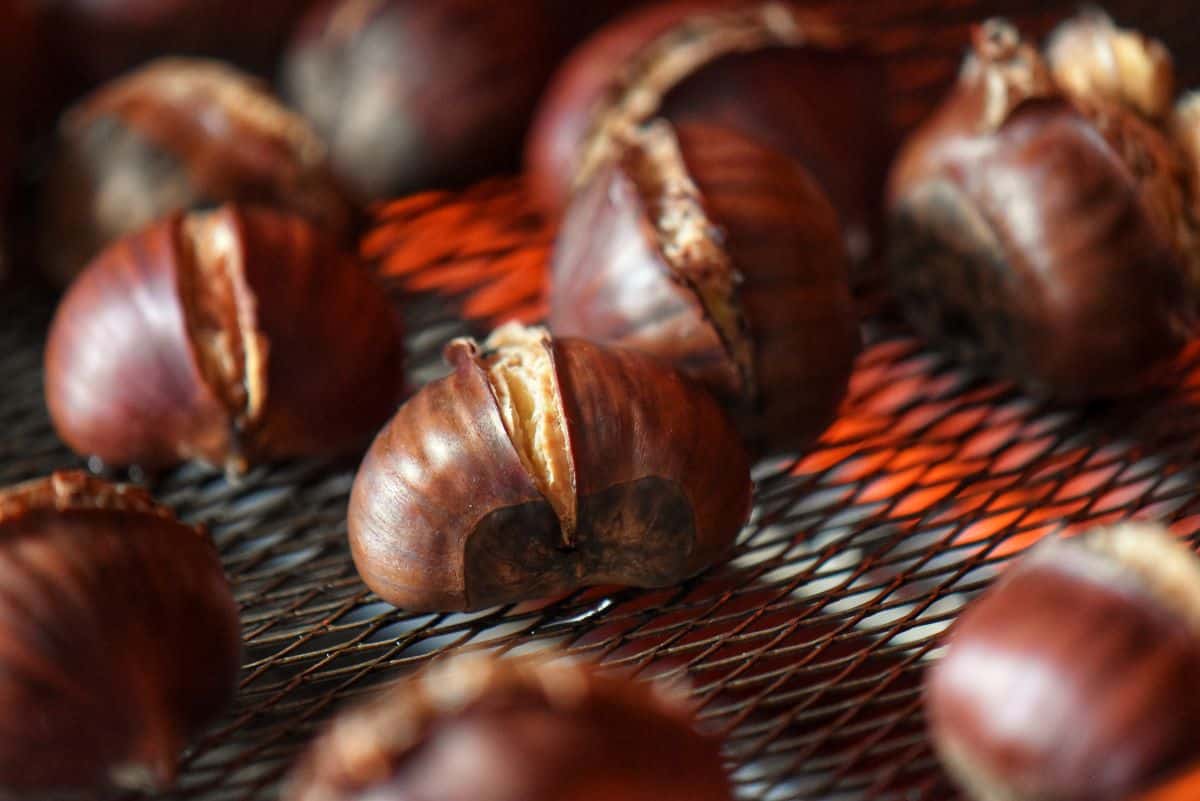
[[179, 134], [119, 637], [234, 336], [96, 40], [415, 93], [1074, 677], [724, 258], [783, 76], [1045, 240], [1094, 60], [529, 729], [539, 466]]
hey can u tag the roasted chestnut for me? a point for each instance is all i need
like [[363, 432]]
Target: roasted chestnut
[[786, 77], [723, 257], [1042, 239], [530, 729], [232, 336], [412, 93], [1092, 59], [175, 135], [119, 638], [539, 466], [1074, 677]]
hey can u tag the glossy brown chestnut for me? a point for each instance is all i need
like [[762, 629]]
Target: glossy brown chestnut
[[233, 336], [119, 637], [1040, 239], [530, 729], [1073, 678], [785, 77], [724, 258], [1094, 60], [175, 135], [413, 93], [539, 466]]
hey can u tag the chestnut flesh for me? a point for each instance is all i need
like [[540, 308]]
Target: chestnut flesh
[[1073, 678], [413, 93], [233, 336], [724, 258], [789, 78], [530, 729], [179, 134], [1040, 239], [1093, 59], [120, 638], [539, 466]]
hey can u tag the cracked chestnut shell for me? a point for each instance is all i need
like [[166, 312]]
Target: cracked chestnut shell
[[789, 78], [119, 637], [1073, 678], [179, 134], [539, 466], [724, 258], [529, 729], [1042, 239], [411, 94], [234, 336]]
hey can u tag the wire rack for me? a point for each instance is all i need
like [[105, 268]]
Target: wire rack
[[806, 649]]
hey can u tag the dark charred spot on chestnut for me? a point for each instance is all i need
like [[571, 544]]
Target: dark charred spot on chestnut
[[539, 466]]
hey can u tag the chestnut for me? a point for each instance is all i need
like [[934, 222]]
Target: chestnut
[[539, 466], [792, 79], [485, 728], [1074, 677], [119, 637], [232, 336], [415, 93], [175, 135], [1092, 59], [1044, 240], [723, 257]]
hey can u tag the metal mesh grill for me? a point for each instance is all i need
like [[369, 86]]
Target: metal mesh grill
[[806, 649]]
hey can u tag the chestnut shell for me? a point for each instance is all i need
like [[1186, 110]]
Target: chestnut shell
[[411, 93], [1038, 239], [528, 729], [611, 283], [179, 134], [128, 381], [119, 637], [790, 78], [1073, 678], [444, 516]]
